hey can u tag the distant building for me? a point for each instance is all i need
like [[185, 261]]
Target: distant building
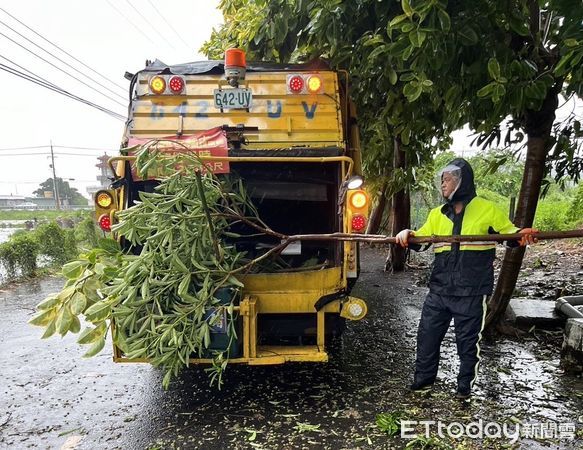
[[43, 202], [10, 201]]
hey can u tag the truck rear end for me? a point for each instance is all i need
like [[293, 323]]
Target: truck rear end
[[290, 135]]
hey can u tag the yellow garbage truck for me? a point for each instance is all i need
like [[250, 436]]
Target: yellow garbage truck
[[289, 132]]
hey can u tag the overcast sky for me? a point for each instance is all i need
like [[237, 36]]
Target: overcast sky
[[109, 36]]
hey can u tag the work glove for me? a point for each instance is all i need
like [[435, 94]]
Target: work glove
[[402, 237], [528, 236]]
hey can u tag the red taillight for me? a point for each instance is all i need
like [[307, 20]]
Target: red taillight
[[176, 84], [105, 222], [296, 84], [358, 222]]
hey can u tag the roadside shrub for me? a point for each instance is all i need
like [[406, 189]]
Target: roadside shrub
[[19, 254], [575, 214], [86, 232], [552, 216], [56, 243]]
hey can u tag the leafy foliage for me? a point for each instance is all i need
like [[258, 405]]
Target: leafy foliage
[[575, 210], [390, 423], [494, 59], [55, 242], [19, 255], [86, 231], [163, 300], [552, 215]]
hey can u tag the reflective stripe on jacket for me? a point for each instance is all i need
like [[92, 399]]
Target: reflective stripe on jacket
[[467, 268]]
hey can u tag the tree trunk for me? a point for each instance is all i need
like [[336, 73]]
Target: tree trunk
[[401, 210], [376, 217], [538, 128]]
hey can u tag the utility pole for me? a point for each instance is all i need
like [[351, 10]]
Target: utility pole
[[55, 185]]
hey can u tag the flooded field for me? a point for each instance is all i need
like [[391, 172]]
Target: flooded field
[[9, 227]]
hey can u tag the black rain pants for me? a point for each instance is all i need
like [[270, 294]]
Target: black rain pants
[[468, 314]]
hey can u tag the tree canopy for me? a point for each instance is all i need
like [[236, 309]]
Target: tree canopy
[[64, 189]]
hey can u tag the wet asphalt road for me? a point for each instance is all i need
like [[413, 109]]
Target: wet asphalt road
[[51, 398]]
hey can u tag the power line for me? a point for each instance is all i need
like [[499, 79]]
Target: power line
[[78, 154], [25, 154], [130, 22], [48, 154], [32, 74], [58, 90], [168, 23], [149, 23], [56, 146], [39, 81], [62, 70], [88, 148], [64, 62], [45, 83], [64, 51], [23, 148], [39, 182], [59, 146]]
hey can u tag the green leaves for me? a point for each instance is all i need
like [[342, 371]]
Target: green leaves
[[91, 335], [406, 5], [109, 245], [43, 318], [467, 36], [571, 42], [417, 37], [78, 303], [444, 20], [412, 90], [159, 297], [99, 311], [494, 68], [48, 303], [393, 78], [390, 423], [73, 269], [64, 320], [95, 348]]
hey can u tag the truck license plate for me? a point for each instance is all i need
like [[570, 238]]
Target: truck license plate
[[233, 98]]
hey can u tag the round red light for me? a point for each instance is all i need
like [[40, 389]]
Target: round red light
[[176, 84], [358, 222], [296, 84], [105, 222]]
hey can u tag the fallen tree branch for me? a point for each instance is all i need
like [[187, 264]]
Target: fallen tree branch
[[381, 239]]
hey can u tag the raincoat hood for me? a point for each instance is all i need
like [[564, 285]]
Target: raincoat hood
[[467, 189]]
